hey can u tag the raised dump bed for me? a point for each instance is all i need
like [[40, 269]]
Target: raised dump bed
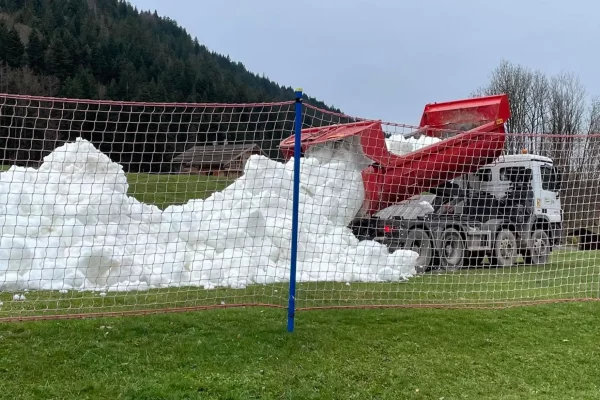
[[472, 135]]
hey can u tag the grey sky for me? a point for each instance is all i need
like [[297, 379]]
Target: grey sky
[[388, 58]]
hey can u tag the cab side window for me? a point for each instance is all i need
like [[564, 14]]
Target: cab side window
[[484, 175], [548, 178]]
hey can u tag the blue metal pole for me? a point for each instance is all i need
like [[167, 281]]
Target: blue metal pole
[[295, 209]]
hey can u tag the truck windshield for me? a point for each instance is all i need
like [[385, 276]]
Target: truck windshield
[[519, 175], [549, 181]]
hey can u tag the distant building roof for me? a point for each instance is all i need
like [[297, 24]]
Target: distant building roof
[[215, 154]]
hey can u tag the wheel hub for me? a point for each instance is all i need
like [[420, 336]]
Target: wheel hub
[[506, 248], [539, 247], [450, 248]]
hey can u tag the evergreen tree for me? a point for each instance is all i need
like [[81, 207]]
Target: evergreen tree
[[13, 48], [100, 64], [58, 61], [3, 39], [73, 87], [151, 92], [35, 52]]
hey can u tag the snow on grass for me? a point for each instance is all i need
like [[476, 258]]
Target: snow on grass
[[70, 224]]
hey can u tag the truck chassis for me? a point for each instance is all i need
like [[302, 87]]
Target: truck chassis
[[448, 240]]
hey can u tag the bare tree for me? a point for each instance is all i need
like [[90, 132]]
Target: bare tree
[[587, 159], [25, 81], [527, 91], [566, 111], [537, 109], [594, 116], [550, 117], [581, 187]]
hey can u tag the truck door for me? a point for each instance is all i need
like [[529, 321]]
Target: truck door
[[549, 194], [489, 182]]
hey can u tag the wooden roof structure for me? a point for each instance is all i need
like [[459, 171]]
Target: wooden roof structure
[[221, 154]]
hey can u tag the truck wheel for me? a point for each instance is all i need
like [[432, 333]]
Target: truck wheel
[[452, 251], [540, 248], [504, 252], [419, 241]]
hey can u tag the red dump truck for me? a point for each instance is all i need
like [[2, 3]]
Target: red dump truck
[[483, 204]]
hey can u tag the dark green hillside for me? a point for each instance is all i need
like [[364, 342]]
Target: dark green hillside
[[108, 50]]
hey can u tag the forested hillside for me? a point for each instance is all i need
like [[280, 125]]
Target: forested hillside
[[109, 50]]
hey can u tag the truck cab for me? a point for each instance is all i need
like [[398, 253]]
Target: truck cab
[[531, 179]]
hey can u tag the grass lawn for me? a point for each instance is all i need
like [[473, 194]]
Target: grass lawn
[[537, 352], [541, 352], [165, 190]]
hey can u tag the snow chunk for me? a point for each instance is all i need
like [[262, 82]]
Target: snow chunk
[[70, 225], [399, 145]]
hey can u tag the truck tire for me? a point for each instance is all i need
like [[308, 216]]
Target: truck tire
[[540, 249], [452, 249], [419, 241], [504, 253]]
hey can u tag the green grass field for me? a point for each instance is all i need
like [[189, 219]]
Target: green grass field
[[541, 352], [534, 352], [165, 190]]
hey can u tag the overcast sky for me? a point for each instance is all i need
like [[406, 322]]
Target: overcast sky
[[386, 59]]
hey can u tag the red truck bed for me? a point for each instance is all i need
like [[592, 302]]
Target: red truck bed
[[472, 133]]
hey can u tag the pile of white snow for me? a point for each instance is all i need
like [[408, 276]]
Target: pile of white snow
[[399, 145], [71, 225]]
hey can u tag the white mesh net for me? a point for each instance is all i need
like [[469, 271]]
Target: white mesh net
[[114, 207]]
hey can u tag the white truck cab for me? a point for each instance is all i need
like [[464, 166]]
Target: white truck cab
[[536, 171]]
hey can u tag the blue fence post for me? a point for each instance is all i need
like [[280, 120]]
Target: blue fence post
[[295, 209]]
